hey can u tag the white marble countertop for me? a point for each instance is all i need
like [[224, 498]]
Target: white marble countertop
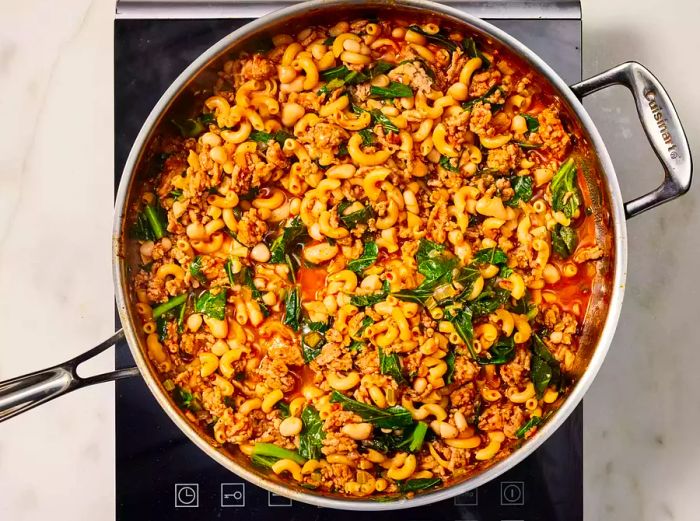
[[56, 162]]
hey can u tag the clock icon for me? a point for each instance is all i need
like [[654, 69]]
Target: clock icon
[[186, 495]]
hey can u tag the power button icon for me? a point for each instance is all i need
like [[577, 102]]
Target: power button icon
[[512, 493], [186, 495]]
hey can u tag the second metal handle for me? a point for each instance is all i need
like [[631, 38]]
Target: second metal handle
[[661, 125], [23, 393]]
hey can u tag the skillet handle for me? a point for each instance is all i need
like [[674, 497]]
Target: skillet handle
[[661, 125], [23, 393]]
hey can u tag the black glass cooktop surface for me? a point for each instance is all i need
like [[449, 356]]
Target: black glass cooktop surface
[[160, 474]]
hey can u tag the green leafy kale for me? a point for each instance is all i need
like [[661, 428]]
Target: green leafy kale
[[544, 368], [472, 50], [419, 295], [207, 118], [245, 278], [450, 361], [502, 352], [528, 426], [165, 312], [441, 38], [329, 87], [162, 327], [483, 99], [525, 307], [171, 304], [446, 163], [311, 437], [566, 196], [414, 485], [489, 300], [418, 436], [275, 452], [367, 136], [291, 237], [250, 194], [528, 146], [292, 308], [354, 218], [263, 461], [390, 365], [522, 188], [335, 72], [380, 67], [280, 136], [283, 408], [395, 417], [478, 408], [228, 268], [338, 77], [466, 277], [384, 442], [492, 255], [185, 399], [371, 300], [196, 270], [211, 304], [462, 322], [368, 257], [410, 439], [533, 123], [564, 241], [193, 127], [393, 90], [151, 224], [505, 272], [378, 118], [356, 345], [366, 322], [181, 318], [434, 263]]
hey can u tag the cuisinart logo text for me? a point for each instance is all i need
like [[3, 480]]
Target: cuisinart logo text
[[661, 123]]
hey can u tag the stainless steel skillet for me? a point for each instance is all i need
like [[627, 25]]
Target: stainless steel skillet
[[661, 125]]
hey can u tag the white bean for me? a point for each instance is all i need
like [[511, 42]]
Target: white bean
[[290, 426], [260, 253]]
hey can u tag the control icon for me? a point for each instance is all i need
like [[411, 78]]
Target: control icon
[[467, 499], [512, 493], [186, 495], [273, 500], [233, 494]]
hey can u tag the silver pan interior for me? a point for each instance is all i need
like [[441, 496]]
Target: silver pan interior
[[608, 287]]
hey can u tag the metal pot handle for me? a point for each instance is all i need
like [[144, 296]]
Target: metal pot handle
[[661, 125], [23, 393]]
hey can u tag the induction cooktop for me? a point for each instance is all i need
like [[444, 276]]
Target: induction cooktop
[[161, 474]]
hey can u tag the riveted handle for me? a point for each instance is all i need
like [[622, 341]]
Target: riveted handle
[[23, 393], [661, 125]]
